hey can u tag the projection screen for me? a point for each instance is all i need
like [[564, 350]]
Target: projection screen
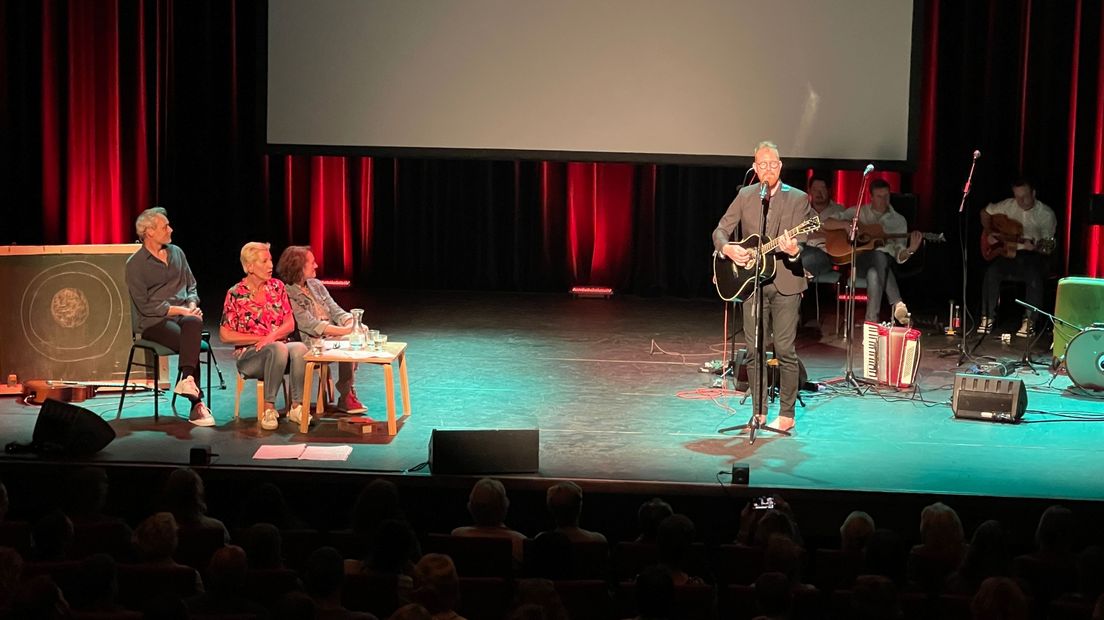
[[635, 80]]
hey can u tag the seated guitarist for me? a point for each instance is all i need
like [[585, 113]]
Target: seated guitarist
[[876, 265], [813, 257], [1029, 264], [789, 206]]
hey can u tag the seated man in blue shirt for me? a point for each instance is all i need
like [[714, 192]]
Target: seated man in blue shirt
[[163, 293]]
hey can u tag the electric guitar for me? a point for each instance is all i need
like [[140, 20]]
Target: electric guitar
[[735, 283]]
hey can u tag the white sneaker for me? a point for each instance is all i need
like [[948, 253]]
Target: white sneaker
[[295, 414], [271, 420], [187, 387], [201, 415], [985, 325], [1027, 329]]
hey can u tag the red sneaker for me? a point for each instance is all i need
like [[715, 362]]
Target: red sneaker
[[349, 403]]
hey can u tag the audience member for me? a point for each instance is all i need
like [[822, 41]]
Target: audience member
[[565, 505], [999, 598], [257, 319], [51, 537], [155, 542], [648, 518], [293, 606], [783, 555], [317, 315], [773, 596], [941, 547], [323, 578], [437, 586], [987, 556], [773, 523], [655, 593], [411, 611], [874, 597], [392, 546], [265, 503], [886, 555], [226, 582], [377, 502], [856, 530], [675, 536], [98, 585], [488, 505], [39, 598], [185, 498], [1098, 609], [537, 599], [1051, 569], [11, 571], [263, 546]]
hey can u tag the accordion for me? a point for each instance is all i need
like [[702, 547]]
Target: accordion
[[891, 355]]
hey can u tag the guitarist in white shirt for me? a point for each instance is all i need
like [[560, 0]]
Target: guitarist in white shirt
[[876, 264], [789, 206]]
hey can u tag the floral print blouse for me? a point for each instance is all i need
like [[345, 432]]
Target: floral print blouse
[[241, 314]]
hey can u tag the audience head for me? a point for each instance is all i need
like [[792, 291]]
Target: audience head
[[184, 495], [783, 555], [488, 503], [650, 515], [11, 571], [294, 605], [393, 545], [52, 535], [857, 528], [874, 597], [155, 538], [86, 492], [227, 569], [537, 599], [379, 500], [565, 503], [773, 522], [150, 222], [256, 259], [1090, 572], [772, 593], [1056, 530], [98, 581], [674, 538], [39, 597], [987, 555], [325, 573], [411, 611], [999, 598], [886, 555], [940, 528], [436, 584], [655, 592], [263, 546], [296, 264], [265, 503]]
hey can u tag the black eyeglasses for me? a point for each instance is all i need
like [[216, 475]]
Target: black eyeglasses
[[763, 165]]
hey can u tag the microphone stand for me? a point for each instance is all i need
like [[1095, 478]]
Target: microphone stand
[[753, 425], [964, 227], [853, 236]]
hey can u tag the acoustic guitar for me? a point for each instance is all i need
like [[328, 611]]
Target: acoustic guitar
[[870, 236], [37, 391], [1004, 236], [735, 283]]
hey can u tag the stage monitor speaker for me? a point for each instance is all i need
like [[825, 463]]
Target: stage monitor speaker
[[993, 399], [484, 451], [64, 429]]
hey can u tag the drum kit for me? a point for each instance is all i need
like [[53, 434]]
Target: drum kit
[[1084, 358]]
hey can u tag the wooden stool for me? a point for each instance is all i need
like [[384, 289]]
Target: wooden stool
[[260, 395]]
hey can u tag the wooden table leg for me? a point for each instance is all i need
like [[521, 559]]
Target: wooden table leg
[[389, 386], [323, 377], [404, 384], [304, 418]]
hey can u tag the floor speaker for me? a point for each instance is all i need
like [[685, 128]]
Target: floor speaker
[[64, 429], [484, 451], [993, 399]]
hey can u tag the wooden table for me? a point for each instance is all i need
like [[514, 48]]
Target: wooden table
[[397, 353]]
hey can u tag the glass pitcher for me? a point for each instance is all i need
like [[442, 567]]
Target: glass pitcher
[[357, 336]]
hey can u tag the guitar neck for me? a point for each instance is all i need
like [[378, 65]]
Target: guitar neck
[[772, 245]]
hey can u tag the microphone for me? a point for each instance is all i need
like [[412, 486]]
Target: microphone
[[869, 169], [763, 190], [969, 178], [977, 154]]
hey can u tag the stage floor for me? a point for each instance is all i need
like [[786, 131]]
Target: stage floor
[[615, 389]]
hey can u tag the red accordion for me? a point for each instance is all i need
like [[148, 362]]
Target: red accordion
[[891, 355]]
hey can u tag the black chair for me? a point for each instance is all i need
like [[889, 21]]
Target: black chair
[[154, 352]]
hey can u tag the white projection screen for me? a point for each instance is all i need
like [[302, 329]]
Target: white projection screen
[[633, 80]]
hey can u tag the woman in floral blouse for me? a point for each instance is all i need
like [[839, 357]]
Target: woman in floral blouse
[[257, 320]]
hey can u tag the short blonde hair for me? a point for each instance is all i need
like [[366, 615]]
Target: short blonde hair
[[147, 219], [251, 253]]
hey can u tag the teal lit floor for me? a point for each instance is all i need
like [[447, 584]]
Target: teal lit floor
[[615, 389]]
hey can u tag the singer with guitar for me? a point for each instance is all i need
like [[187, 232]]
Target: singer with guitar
[[1018, 234], [789, 207], [876, 265]]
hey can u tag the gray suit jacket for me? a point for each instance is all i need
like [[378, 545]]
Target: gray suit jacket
[[788, 207]]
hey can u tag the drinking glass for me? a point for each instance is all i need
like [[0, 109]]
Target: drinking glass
[[373, 339]]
